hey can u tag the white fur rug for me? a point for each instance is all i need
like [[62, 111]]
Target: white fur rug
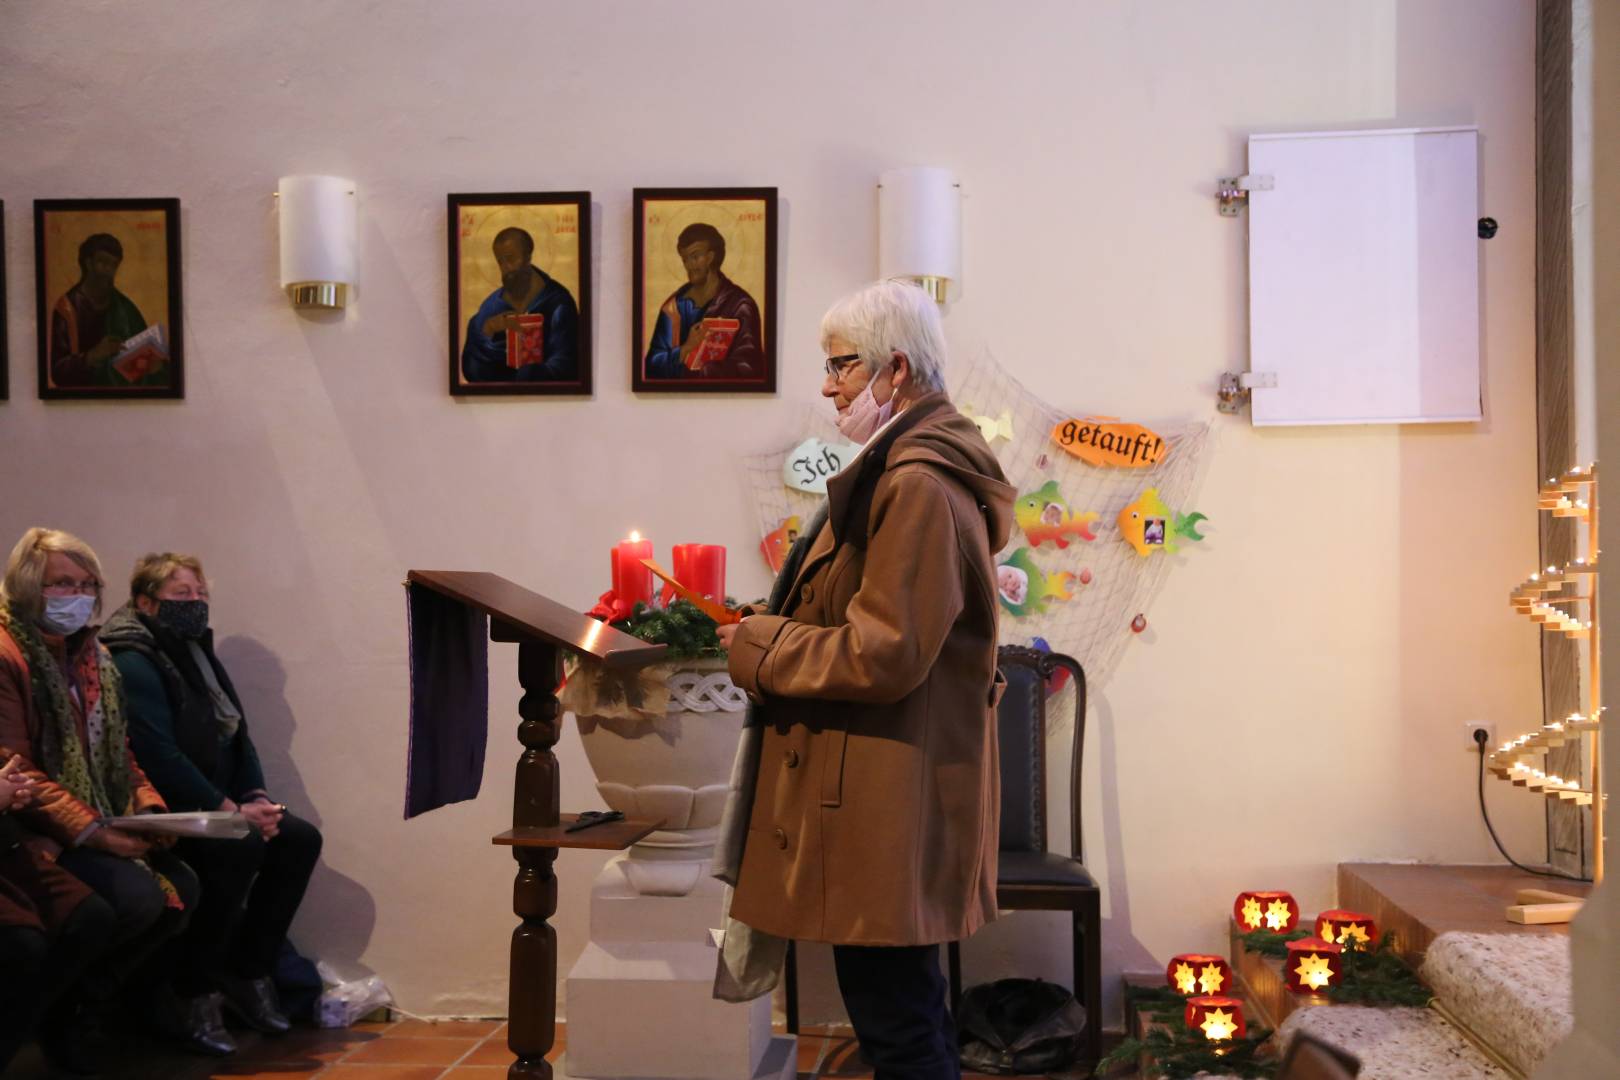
[[1513, 990], [1394, 1044]]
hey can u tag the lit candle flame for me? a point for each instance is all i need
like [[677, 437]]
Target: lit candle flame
[[634, 536]]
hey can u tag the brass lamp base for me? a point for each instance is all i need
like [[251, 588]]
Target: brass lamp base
[[934, 287], [331, 295]]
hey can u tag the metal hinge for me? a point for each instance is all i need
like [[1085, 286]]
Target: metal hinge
[[1235, 387], [1232, 192]]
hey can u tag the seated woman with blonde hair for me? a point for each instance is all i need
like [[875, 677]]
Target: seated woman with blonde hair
[[62, 712], [187, 726]]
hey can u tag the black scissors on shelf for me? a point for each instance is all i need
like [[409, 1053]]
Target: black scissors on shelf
[[594, 817]]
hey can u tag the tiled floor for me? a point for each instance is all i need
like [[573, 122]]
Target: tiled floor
[[403, 1050]]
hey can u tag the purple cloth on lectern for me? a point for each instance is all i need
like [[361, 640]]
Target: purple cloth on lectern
[[449, 661]]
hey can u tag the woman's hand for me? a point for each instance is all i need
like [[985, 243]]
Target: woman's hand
[[16, 788], [263, 815], [727, 632], [125, 845]]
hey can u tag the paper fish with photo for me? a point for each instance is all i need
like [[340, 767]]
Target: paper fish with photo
[[779, 541], [1025, 589], [1148, 525], [991, 427], [1045, 517], [812, 463]]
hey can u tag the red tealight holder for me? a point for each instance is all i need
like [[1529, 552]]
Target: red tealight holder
[[1275, 911], [1344, 927], [1313, 965], [1220, 1019], [1194, 974]]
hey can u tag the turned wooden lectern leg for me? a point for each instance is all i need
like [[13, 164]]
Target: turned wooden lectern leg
[[532, 1026]]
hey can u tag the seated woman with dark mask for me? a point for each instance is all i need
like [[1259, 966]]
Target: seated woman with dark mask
[[188, 729]]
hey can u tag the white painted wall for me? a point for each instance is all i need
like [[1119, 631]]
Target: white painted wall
[[1300, 698]]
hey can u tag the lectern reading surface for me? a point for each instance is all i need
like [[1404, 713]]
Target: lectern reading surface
[[543, 630]]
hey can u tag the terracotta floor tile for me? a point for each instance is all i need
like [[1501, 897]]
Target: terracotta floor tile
[[492, 1051], [241, 1070], [346, 1071], [476, 1072], [844, 1060], [810, 1052], [445, 1029], [406, 1050], [314, 1045]]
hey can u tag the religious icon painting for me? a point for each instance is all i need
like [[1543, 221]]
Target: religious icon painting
[[107, 277], [520, 293], [703, 283]]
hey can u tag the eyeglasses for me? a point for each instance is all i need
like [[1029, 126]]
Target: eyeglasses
[[69, 588], [837, 365]]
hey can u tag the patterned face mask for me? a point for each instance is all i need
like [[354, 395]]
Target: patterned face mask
[[188, 618], [67, 614]]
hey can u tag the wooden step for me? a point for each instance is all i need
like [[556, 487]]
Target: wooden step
[[1261, 981]]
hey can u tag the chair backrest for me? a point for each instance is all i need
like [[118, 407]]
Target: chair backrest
[[1021, 732], [1308, 1058]]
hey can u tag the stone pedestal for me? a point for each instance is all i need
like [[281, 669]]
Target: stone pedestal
[[640, 998]]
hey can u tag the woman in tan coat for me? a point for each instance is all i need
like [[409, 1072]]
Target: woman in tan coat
[[874, 821]]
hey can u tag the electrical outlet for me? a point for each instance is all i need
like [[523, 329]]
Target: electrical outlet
[[1471, 726]]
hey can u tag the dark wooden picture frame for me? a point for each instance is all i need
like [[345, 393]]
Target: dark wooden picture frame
[[557, 228], [735, 327], [135, 245]]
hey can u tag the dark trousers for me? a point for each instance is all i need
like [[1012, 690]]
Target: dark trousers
[[896, 997], [140, 908], [41, 966], [251, 889]]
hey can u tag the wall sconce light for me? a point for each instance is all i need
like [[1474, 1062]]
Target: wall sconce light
[[1219, 1018], [318, 240], [1343, 927], [1312, 965], [1274, 911], [1192, 974], [920, 228]]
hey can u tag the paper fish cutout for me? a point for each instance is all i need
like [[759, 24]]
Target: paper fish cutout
[[1148, 525], [812, 463], [1023, 587], [1045, 516], [777, 542], [991, 427], [1060, 675]]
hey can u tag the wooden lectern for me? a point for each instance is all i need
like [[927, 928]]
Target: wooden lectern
[[543, 629]]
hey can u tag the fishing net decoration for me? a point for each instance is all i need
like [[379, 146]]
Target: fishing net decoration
[[1094, 626]]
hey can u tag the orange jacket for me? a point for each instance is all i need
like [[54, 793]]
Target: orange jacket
[[55, 812]]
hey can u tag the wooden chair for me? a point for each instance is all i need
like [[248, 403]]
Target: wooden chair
[[1028, 876]]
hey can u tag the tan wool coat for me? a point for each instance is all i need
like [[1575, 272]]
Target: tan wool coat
[[875, 817]]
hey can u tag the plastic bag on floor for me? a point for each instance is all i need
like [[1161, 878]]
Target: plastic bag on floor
[[1014, 1026], [346, 1000]]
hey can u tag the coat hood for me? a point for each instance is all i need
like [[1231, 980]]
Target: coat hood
[[950, 441], [126, 629]]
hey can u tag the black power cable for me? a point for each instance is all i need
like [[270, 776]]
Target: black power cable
[[1479, 738]]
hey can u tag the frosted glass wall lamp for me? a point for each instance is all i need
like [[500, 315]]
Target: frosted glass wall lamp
[[920, 228], [318, 240]]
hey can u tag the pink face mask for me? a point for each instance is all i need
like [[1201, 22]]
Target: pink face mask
[[865, 415]]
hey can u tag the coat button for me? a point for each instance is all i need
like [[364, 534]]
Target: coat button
[[781, 839], [790, 758], [807, 593]]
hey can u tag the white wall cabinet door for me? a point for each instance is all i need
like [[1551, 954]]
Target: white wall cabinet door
[[1364, 277]]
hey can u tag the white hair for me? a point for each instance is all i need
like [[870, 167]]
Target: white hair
[[888, 317]]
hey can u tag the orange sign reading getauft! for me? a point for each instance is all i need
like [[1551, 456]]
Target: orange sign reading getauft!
[[1100, 441]]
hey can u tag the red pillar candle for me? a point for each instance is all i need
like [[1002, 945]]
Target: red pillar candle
[[1274, 911], [1312, 965], [632, 582], [702, 568], [1342, 927], [1192, 974], [1220, 1019]]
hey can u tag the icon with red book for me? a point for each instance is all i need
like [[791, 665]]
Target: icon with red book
[[526, 343], [714, 342]]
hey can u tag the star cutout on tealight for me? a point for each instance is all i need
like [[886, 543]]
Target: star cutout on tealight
[[1276, 914], [1314, 971], [1210, 979], [1354, 930], [1218, 1025], [1251, 913], [1185, 981]]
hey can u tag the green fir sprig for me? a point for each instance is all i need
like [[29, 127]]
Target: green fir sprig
[[1377, 976], [1271, 944], [1178, 1055], [690, 634]]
